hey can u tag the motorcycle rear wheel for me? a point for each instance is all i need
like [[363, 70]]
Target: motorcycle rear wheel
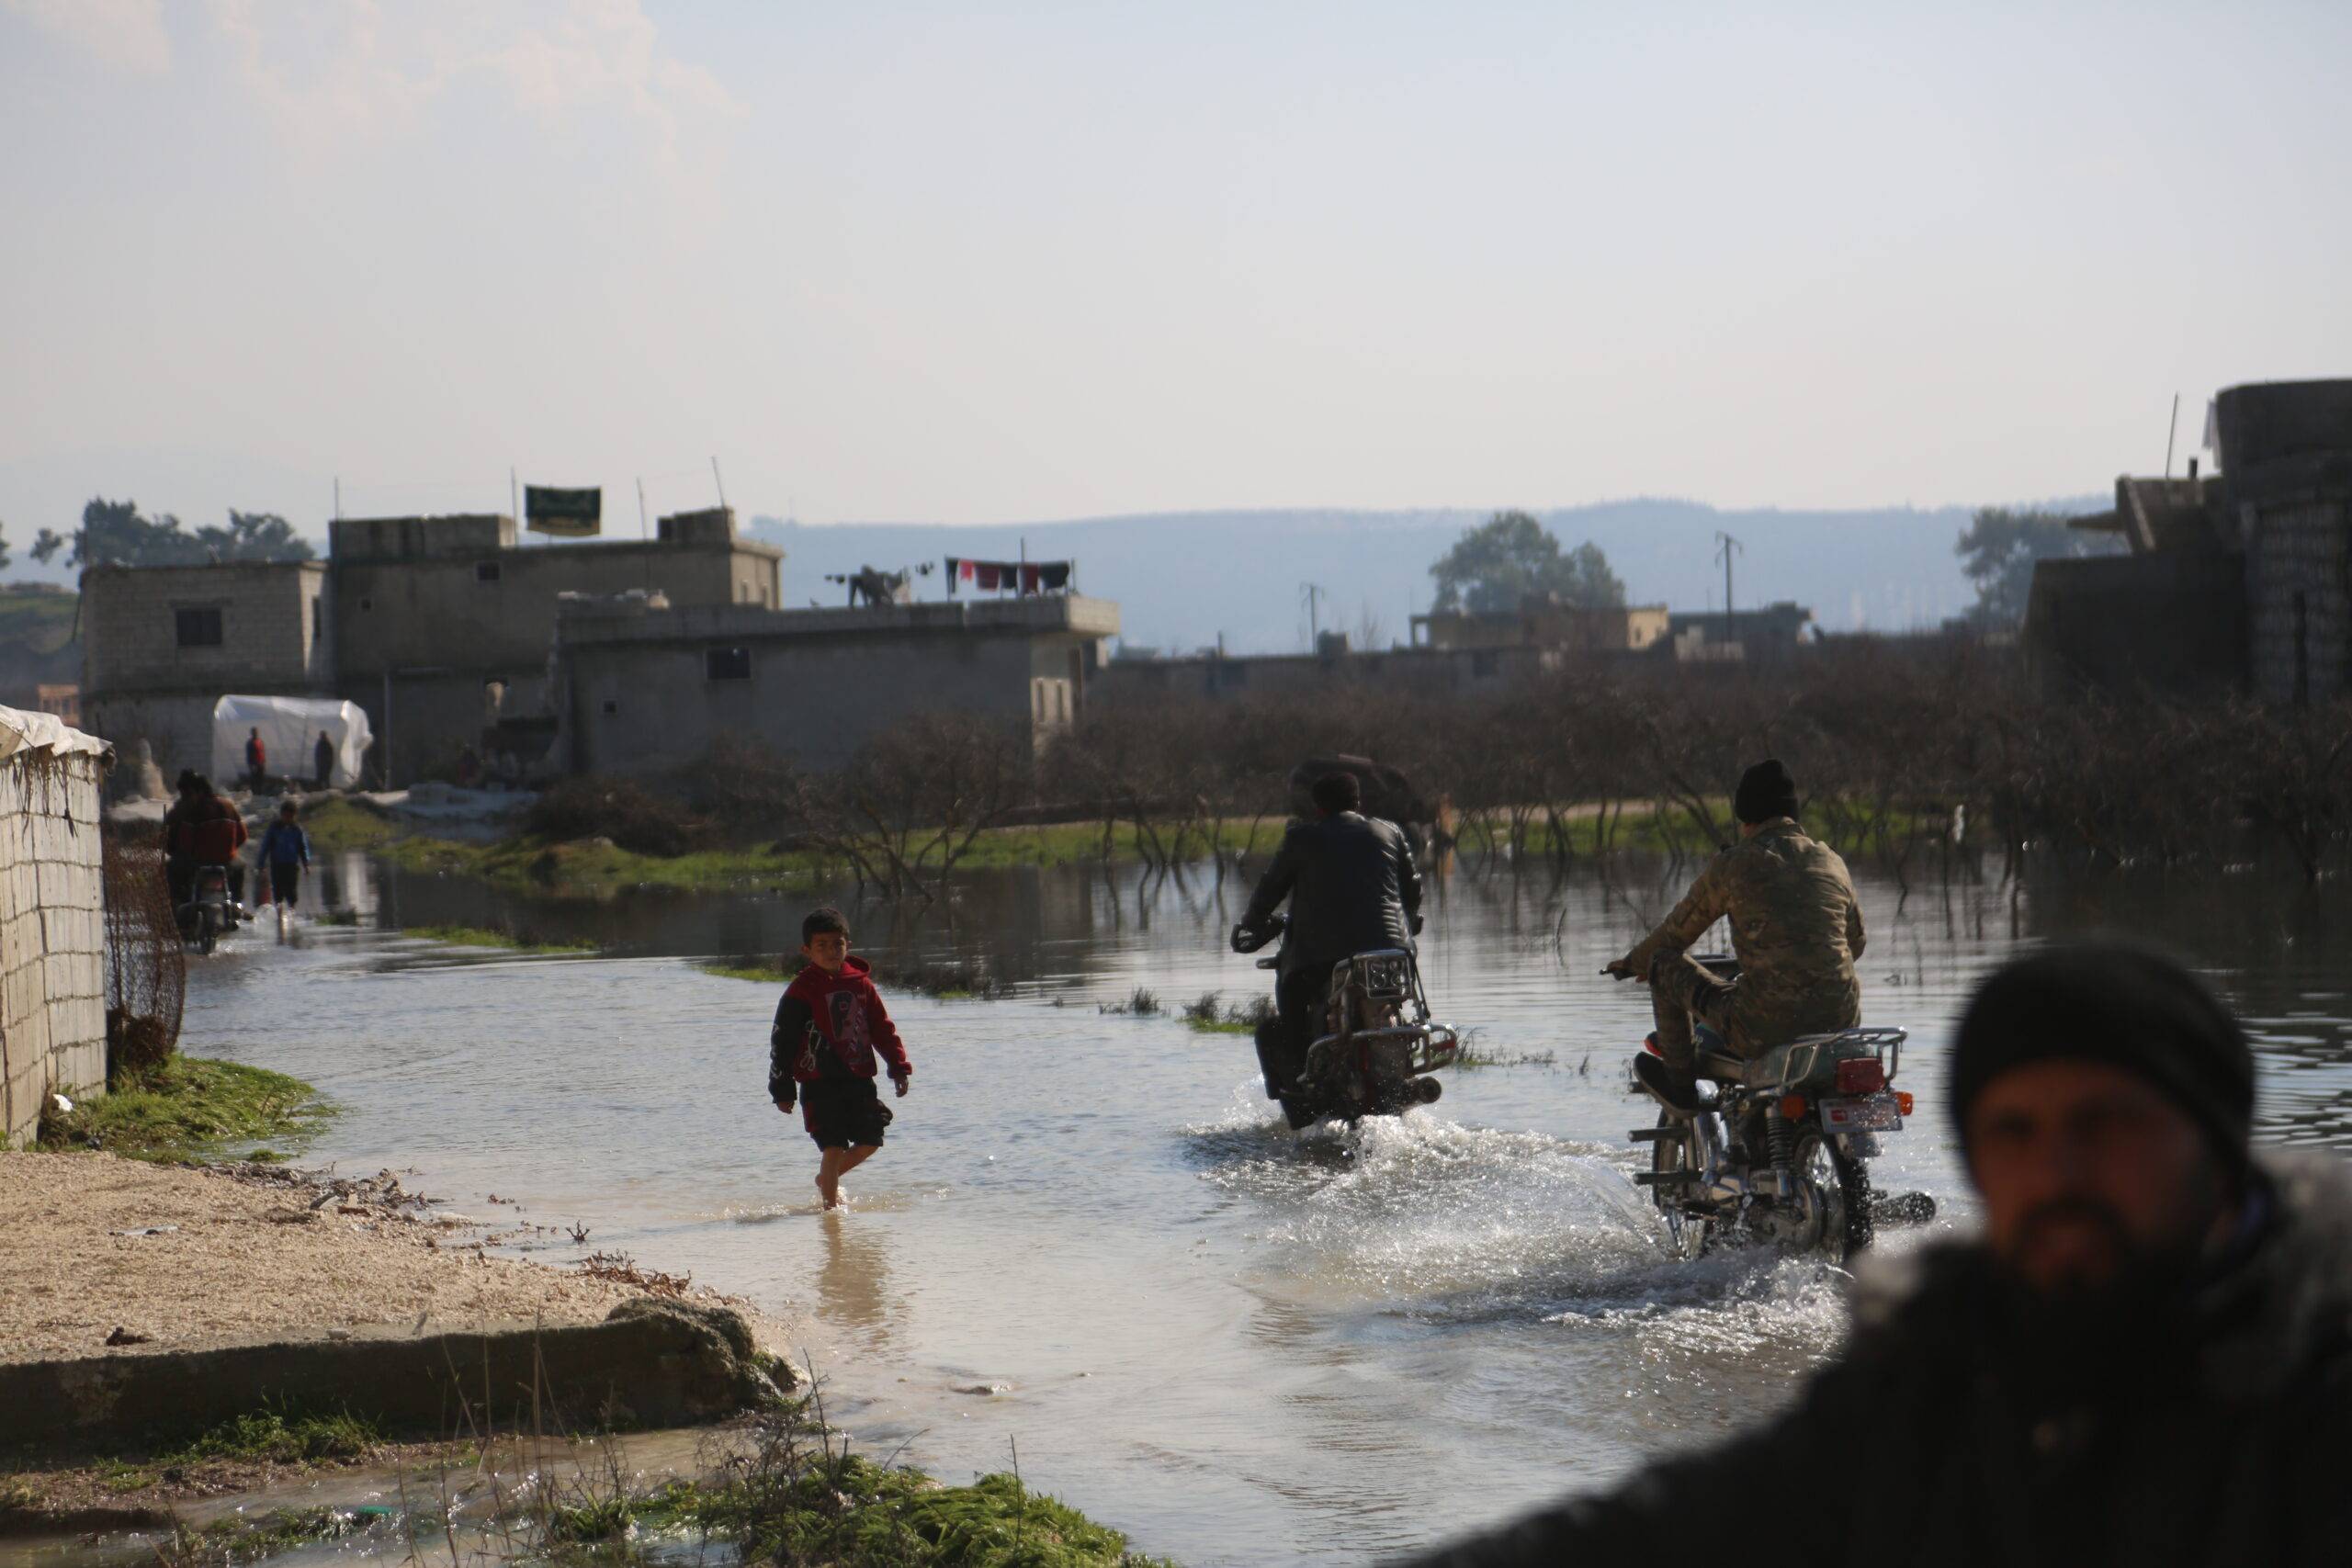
[[1687, 1234], [205, 932], [1845, 1189]]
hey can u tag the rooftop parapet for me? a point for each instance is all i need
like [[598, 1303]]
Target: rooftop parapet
[[621, 620]]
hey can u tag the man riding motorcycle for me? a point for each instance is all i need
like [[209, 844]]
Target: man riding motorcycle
[[1352, 887], [201, 829], [1795, 927]]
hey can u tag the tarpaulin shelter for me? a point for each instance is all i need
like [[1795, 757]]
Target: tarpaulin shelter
[[289, 732]]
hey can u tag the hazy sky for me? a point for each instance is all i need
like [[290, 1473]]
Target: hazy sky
[[968, 263]]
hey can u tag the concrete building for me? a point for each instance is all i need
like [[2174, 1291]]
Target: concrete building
[[1768, 632], [643, 689], [442, 628], [2241, 578], [53, 920], [160, 644], [447, 627], [1543, 621]]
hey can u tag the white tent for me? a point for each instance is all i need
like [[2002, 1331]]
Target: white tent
[[290, 728]]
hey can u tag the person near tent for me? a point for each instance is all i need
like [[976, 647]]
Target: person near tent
[[286, 855], [322, 761], [256, 759]]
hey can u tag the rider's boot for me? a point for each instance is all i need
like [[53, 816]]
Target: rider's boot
[[1677, 1092]]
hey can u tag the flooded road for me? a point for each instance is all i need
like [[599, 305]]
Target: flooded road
[[1089, 1234]]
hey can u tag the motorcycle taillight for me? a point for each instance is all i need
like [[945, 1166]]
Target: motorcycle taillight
[[1862, 1075], [1650, 1045]]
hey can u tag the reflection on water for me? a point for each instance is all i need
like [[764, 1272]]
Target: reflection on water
[[854, 1287], [1088, 1233]]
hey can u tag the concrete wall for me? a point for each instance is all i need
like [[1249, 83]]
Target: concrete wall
[[2170, 619], [2299, 597], [277, 626], [277, 630], [53, 935], [640, 697], [446, 613]]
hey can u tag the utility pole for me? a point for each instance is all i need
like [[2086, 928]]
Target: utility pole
[[1725, 547], [1312, 591], [2172, 434]]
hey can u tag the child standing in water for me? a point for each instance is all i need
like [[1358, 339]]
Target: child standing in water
[[828, 1028]]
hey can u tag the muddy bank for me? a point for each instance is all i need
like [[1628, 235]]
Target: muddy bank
[[106, 1257]]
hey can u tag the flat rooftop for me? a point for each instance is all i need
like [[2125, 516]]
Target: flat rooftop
[[604, 620]]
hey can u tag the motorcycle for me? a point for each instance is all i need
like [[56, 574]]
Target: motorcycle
[[1378, 1046], [1778, 1153], [210, 914]]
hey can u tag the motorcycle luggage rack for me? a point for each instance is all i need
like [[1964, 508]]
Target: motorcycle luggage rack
[[1387, 977], [1884, 1041]]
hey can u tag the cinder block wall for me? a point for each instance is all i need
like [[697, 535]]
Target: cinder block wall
[[52, 936], [2300, 554]]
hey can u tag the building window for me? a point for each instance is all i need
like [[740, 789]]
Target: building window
[[486, 571], [366, 604], [727, 664], [611, 707], [319, 619], [199, 628]]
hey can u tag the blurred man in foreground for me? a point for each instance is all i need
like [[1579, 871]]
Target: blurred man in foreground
[[2146, 1359]]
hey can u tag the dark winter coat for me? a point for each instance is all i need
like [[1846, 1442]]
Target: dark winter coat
[[1929, 1442], [1351, 885], [830, 1026]]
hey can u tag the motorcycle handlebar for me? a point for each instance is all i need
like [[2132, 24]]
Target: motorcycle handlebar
[[1246, 939]]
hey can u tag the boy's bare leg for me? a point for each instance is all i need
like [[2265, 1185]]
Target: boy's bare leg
[[851, 1159], [828, 1177]]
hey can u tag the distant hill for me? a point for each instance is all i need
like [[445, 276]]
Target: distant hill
[[1182, 578]]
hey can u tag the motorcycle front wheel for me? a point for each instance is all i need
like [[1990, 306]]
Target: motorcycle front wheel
[[1839, 1189], [1687, 1234]]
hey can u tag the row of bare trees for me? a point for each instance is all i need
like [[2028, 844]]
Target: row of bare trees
[[1901, 753]]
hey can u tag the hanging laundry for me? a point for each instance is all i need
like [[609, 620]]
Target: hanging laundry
[[1031, 572], [950, 574], [964, 569], [1054, 574], [987, 574]]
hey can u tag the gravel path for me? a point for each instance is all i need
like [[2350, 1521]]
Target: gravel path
[[249, 1256]]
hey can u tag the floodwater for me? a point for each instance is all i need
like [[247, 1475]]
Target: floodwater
[[1089, 1234]]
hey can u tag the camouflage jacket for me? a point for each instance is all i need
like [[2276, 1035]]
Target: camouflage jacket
[[1795, 927]]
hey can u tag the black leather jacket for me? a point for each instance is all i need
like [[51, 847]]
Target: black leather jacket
[[1351, 885]]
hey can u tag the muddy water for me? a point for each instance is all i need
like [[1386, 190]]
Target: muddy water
[[1087, 1234]]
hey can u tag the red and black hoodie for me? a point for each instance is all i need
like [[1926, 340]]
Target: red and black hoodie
[[827, 1029]]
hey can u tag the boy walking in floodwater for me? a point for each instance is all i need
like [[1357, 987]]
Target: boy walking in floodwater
[[829, 1028]]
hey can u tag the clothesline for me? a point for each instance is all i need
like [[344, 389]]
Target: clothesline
[[1011, 576]]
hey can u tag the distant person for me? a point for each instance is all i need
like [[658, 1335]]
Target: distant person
[[286, 854], [322, 761], [827, 1029], [256, 761], [202, 827], [2146, 1358], [469, 768], [1796, 929]]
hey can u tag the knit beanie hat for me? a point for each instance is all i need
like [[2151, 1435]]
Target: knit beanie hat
[[1766, 792], [2127, 1006]]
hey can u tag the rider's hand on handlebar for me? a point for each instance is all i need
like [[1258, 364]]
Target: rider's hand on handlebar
[[1618, 969]]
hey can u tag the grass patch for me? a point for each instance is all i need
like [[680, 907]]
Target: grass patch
[[593, 867], [342, 823], [840, 1507], [478, 936], [757, 969], [268, 1436], [187, 1109], [1143, 1002], [1205, 1014]]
